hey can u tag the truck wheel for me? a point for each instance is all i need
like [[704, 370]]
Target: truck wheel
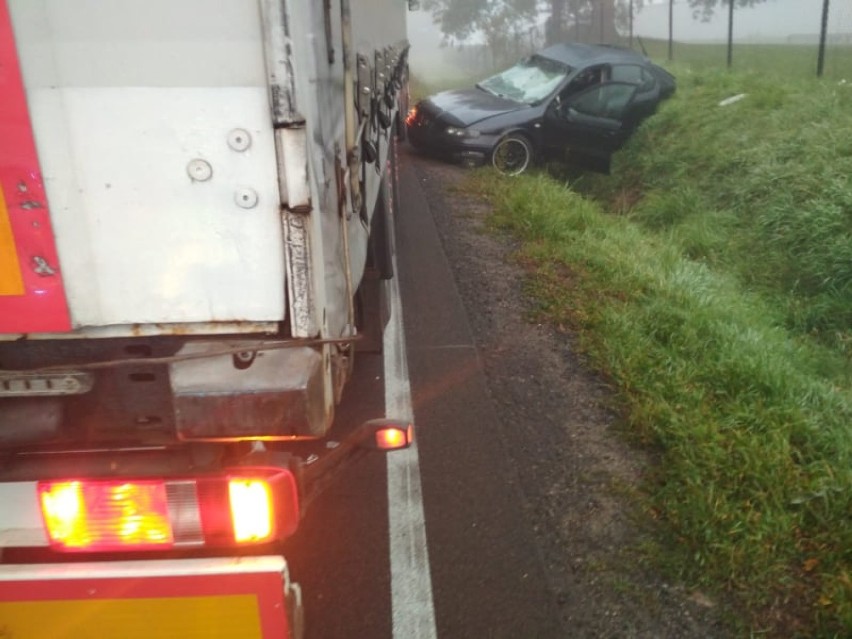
[[372, 307], [513, 154], [371, 313]]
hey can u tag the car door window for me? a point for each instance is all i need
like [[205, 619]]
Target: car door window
[[605, 101], [648, 81], [633, 74], [586, 78]]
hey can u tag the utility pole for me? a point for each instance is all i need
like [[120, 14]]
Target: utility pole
[[630, 18], [671, 28], [823, 33], [730, 33]]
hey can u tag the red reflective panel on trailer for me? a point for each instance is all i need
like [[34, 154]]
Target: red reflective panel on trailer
[[32, 296]]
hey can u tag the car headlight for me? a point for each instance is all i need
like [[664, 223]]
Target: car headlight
[[461, 133]]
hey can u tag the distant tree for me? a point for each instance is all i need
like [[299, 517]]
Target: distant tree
[[502, 23], [499, 21], [705, 8], [583, 20], [459, 19]]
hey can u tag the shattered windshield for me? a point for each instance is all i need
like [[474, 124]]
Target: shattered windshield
[[528, 81]]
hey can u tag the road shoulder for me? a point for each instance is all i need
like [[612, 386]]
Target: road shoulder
[[578, 477]]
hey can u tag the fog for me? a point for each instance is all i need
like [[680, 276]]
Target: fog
[[773, 21], [428, 58]]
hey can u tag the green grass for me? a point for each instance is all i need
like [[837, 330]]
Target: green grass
[[760, 188], [784, 61], [710, 277]]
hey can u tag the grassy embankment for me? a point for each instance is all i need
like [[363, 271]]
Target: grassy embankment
[[710, 278]]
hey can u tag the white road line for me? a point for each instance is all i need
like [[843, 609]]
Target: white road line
[[411, 582]]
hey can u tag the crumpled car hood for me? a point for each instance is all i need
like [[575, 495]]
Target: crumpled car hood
[[464, 107]]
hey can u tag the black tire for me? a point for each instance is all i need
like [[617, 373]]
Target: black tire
[[371, 313], [513, 154], [372, 309]]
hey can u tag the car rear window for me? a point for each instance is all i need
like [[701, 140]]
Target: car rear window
[[634, 74]]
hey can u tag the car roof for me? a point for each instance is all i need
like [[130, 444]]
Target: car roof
[[577, 55]]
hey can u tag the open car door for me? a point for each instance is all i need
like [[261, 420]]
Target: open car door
[[591, 122]]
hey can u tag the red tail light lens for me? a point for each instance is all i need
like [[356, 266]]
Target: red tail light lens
[[252, 511], [106, 515], [252, 506]]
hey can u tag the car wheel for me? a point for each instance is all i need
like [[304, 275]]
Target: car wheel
[[512, 155]]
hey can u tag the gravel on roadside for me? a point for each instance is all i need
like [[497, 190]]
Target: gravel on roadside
[[578, 475]]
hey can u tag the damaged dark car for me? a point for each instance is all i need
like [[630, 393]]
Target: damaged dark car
[[575, 102]]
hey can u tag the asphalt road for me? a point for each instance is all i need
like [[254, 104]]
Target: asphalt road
[[486, 573]]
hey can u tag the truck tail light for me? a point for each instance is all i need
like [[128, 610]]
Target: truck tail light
[[106, 515], [251, 506], [251, 510]]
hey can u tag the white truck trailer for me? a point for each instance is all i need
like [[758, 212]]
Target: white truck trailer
[[194, 236]]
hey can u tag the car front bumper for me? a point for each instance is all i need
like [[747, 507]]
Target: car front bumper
[[468, 150]]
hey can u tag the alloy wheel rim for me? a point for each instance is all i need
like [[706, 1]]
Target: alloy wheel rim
[[511, 157]]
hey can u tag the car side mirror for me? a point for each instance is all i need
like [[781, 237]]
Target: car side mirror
[[560, 107], [567, 112]]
